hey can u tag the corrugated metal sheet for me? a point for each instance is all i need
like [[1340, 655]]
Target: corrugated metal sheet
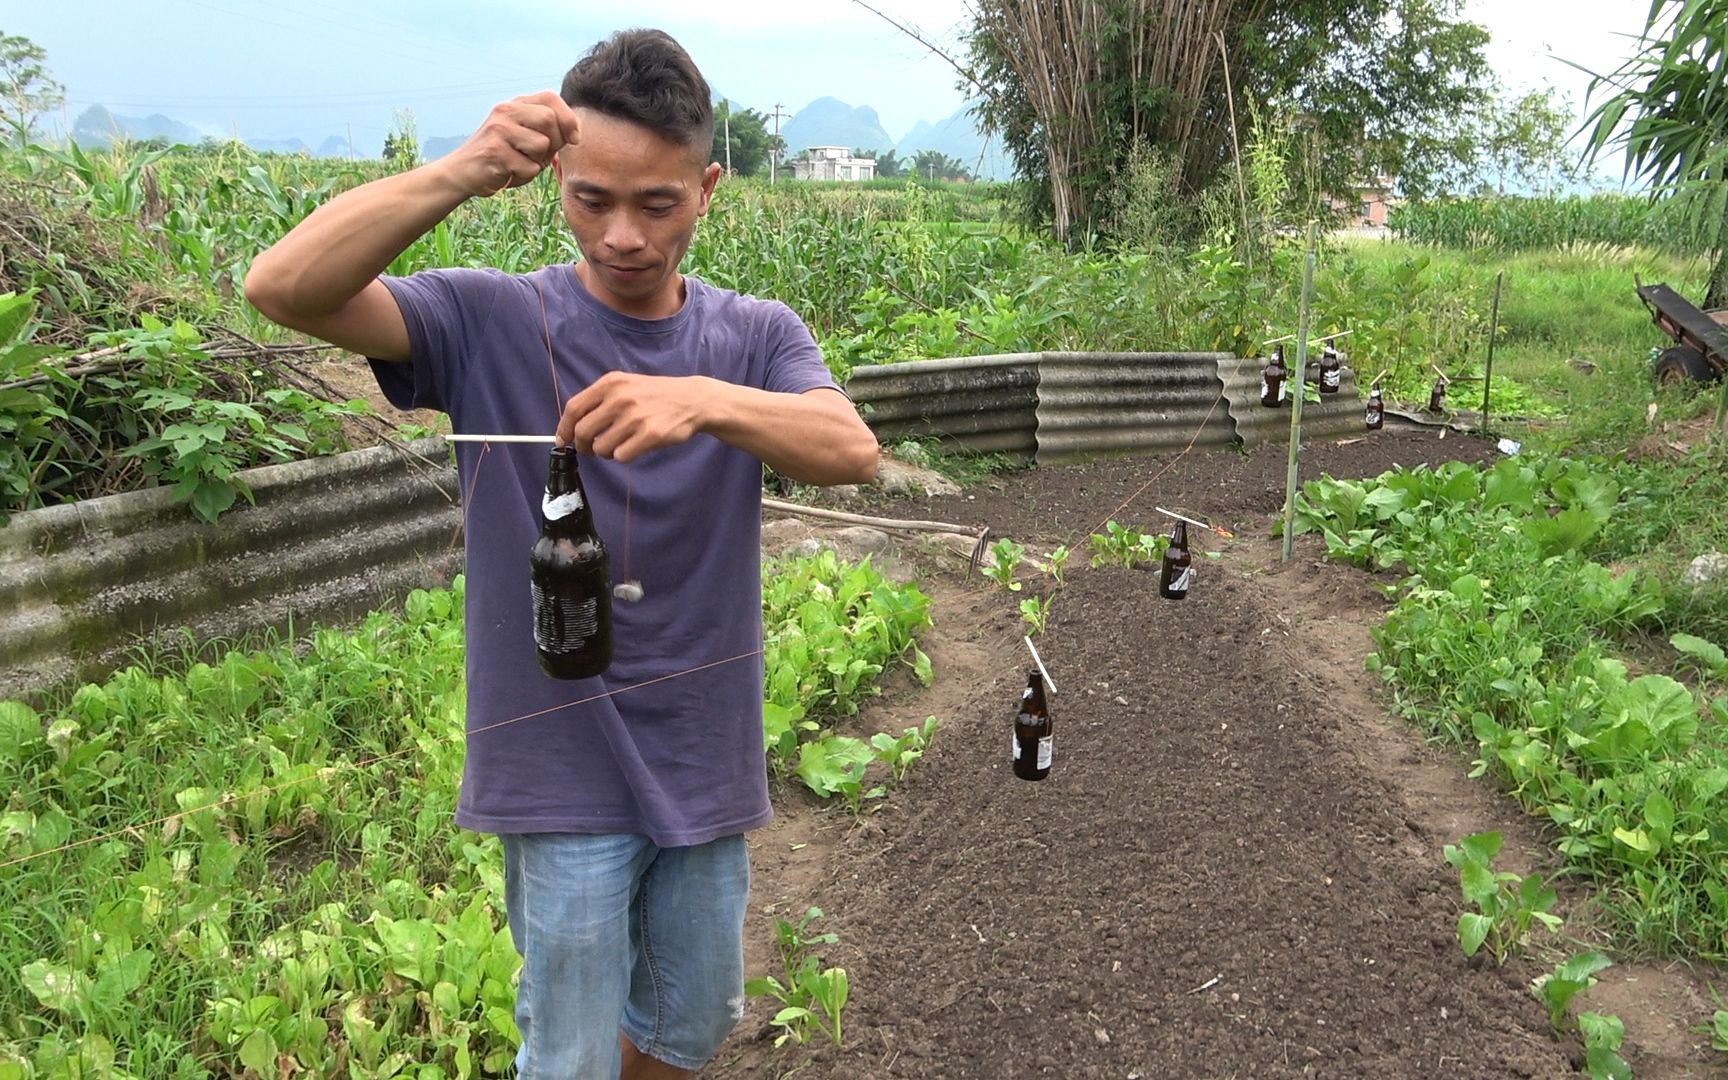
[[983, 403], [1334, 416], [1093, 403], [328, 538]]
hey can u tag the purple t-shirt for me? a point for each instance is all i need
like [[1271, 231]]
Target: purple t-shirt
[[679, 760]]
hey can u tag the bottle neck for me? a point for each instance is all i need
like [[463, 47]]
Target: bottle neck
[[1032, 702], [1179, 535], [565, 507]]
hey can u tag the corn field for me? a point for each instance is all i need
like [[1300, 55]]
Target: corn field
[[1513, 223], [129, 358]]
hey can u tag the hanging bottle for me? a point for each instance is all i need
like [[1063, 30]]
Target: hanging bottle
[[1437, 398], [570, 578], [1274, 378], [1331, 370], [1177, 573], [1034, 743]]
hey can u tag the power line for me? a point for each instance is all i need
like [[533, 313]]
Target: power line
[[385, 96]]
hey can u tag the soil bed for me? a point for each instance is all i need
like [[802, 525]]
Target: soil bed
[[1234, 869]]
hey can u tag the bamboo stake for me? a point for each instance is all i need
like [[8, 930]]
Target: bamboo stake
[[1301, 386], [1493, 330]]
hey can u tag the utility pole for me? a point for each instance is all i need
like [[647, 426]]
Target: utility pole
[[350, 141], [774, 151], [728, 123]]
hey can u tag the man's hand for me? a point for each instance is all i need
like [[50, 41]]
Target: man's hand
[[623, 416], [515, 144]]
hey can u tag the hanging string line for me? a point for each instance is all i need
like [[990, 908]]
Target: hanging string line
[[330, 771], [355, 767], [1129, 501]]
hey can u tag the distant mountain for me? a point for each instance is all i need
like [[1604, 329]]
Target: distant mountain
[[826, 121], [830, 122], [958, 137], [96, 126], [279, 146], [439, 145]]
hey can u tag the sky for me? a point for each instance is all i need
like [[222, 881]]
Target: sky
[[313, 68]]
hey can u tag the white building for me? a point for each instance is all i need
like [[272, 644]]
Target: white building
[[833, 163]]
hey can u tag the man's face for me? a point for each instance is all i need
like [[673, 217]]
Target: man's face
[[632, 198]]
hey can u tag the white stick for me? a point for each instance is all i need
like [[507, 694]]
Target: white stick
[[502, 438], [1311, 341], [1040, 662], [1179, 517]]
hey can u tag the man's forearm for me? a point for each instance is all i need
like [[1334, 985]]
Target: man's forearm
[[813, 438], [348, 242]]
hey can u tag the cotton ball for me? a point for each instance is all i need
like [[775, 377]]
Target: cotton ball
[[629, 591]]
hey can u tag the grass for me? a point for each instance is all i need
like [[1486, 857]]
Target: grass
[[1558, 306]]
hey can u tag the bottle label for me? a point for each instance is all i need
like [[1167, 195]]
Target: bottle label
[[560, 507], [1046, 750], [1372, 414], [1183, 580], [1331, 379], [1283, 388], [1015, 739], [564, 624]]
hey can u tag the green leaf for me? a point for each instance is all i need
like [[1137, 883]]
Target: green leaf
[[921, 667], [209, 500], [1708, 654], [1659, 815], [1568, 530], [1606, 1032], [16, 311], [54, 985], [258, 1053], [1473, 930], [1636, 839], [1582, 967], [20, 729]]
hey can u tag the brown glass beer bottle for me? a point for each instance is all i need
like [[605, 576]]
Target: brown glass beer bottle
[[1376, 411], [571, 581], [1437, 398], [1177, 573], [1331, 371], [1273, 378], [1034, 745]]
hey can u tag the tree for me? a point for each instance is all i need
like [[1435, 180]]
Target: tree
[[935, 165], [1669, 111], [751, 142], [888, 164], [1522, 142], [1073, 89], [402, 141], [28, 90]]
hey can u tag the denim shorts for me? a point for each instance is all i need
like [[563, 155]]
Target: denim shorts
[[619, 936]]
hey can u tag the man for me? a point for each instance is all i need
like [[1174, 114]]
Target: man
[[623, 814]]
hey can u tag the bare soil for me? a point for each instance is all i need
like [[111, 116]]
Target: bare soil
[[1234, 868]]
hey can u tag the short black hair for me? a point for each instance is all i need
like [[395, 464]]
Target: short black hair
[[647, 78]]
